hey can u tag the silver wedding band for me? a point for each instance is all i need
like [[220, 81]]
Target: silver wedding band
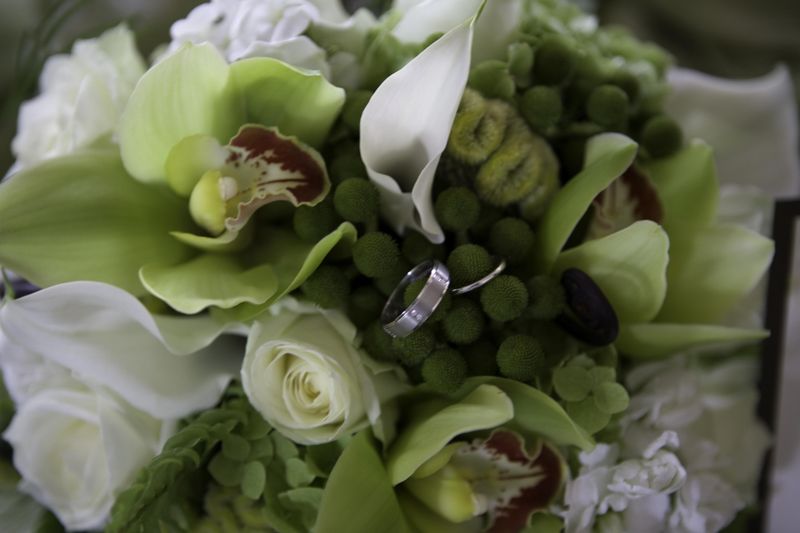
[[400, 320]]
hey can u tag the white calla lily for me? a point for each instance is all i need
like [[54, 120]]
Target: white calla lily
[[405, 127], [101, 334], [751, 124]]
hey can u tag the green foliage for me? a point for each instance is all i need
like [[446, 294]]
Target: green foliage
[[610, 397], [504, 298], [586, 414], [457, 208], [521, 357], [572, 383], [376, 254]]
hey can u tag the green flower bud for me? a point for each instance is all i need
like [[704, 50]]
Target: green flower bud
[[478, 128], [553, 62], [365, 305], [313, 223], [378, 343], [445, 370], [492, 79], [520, 62], [468, 263], [464, 323], [607, 106], [417, 248], [504, 298], [354, 105], [356, 200], [547, 298], [541, 107], [376, 254], [481, 359], [628, 83], [610, 397], [414, 348], [512, 239], [521, 357], [328, 287], [661, 136], [524, 166], [457, 208]]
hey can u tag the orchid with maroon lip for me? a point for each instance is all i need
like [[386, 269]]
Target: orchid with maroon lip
[[202, 146]]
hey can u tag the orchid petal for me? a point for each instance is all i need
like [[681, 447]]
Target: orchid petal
[[607, 157], [657, 340], [629, 266], [423, 520], [358, 495], [188, 93], [484, 407], [209, 280], [292, 261], [89, 220], [711, 270], [687, 187], [751, 124], [297, 102], [106, 336], [189, 159], [403, 132]]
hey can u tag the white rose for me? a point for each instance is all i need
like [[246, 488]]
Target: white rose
[[77, 448], [304, 373], [82, 97]]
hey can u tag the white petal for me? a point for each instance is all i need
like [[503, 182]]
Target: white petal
[[405, 126], [105, 336], [751, 124], [433, 16], [297, 51]]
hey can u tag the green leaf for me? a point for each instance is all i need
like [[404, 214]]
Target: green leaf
[[653, 341], [297, 102], [711, 270], [358, 496], [209, 280], [427, 432], [292, 260], [607, 157], [82, 217], [538, 413], [298, 474], [629, 266], [254, 478], [687, 187]]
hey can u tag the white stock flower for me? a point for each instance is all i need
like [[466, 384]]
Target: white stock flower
[[77, 448], [637, 487], [254, 28], [81, 98], [304, 373], [98, 381]]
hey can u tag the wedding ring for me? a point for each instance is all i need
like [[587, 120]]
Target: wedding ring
[[501, 265], [399, 320]]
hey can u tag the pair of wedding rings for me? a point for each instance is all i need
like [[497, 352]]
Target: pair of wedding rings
[[399, 320]]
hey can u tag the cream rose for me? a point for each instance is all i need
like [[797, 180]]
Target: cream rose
[[77, 448], [305, 374]]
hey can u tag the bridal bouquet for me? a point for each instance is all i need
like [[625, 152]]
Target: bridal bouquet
[[460, 266]]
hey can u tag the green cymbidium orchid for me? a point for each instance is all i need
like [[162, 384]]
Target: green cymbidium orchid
[[670, 284], [202, 145], [439, 480]]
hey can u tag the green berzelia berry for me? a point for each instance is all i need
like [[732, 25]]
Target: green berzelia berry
[[468, 263], [553, 62], [607, 106], [356, 200], [328, 287], [512, 239], [313, 223], [457, 208], [416, 248], [547, 298], [541, 106], [414, 348], [504, 298], [464, 323], [376, 254], [444, 370], [661, 136], [521, 357]]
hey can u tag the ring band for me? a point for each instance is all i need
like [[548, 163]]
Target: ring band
[[501, 265], [399, 320]]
